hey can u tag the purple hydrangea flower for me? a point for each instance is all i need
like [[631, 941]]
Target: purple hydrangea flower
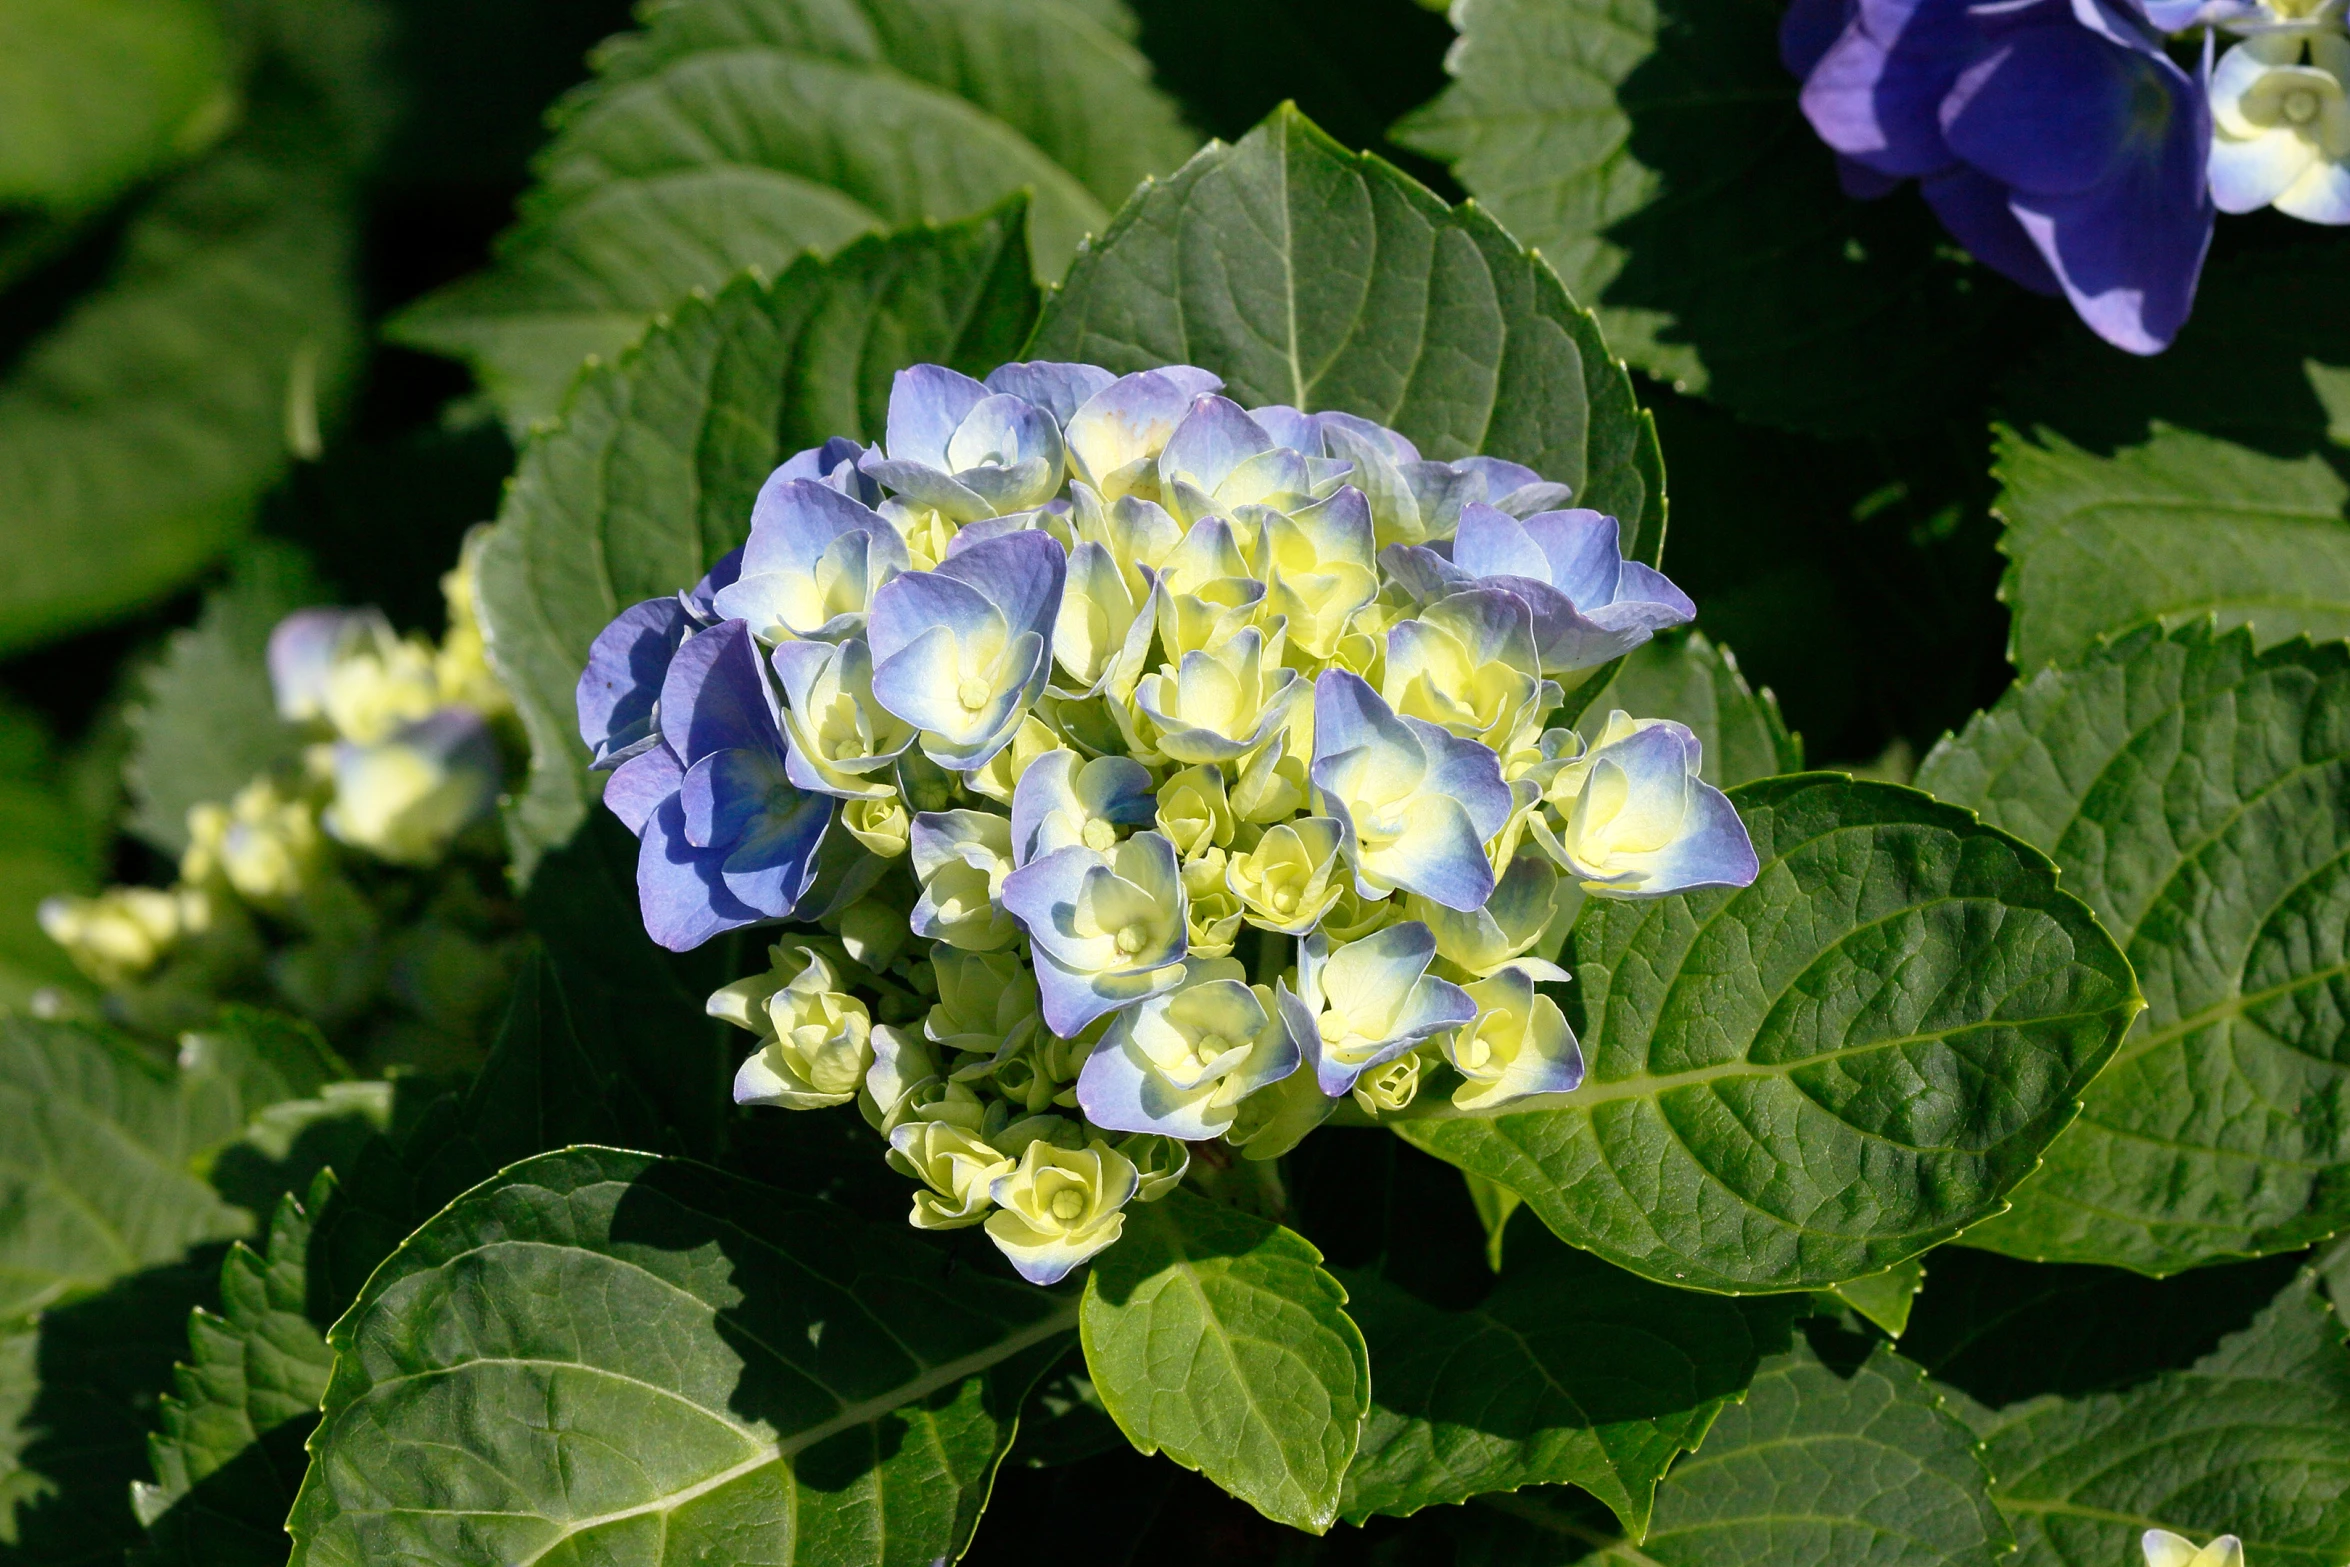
[[726, 840], [2054, 138]]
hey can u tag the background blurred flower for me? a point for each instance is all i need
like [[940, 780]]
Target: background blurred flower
[[2054, 138]]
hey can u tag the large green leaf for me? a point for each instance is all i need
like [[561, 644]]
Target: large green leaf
[[1570, 1372], [119, 1177], [1654, 151], [1860, 1468], [229, 1456], [650, 475], [737, 134], [2254, 1441], [2002, 1331], [2181, 527], [1305, 274], [97, 94], [2197, 796], [2205, 480], [1687, 678], [100, 1156], [1216, 1337], [206, 723], [138, 434], [606, 1356], [1810, 1079], [77, 1394]]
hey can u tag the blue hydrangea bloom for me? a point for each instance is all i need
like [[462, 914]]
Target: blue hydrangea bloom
[[730, 842], [1589, 603], [2054, 138], [971, 452], [1414, 804]]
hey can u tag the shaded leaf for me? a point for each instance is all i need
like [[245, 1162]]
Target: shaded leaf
[[1570, 1372], [1308, 275], [734, 134], [2197, 796], [229, 1456], [651, 473], [1215, 1337], [2002, 1331], [98, 94], [138, 434], [1810, 1079], [100, 1155], [1654, 151], [206, 723], [80, 1386], [739, 1373], [1862, 1469], [2254, 1441]]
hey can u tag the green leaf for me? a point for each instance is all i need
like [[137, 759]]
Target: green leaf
[[1885, 1298], [77, 1394], [100, 1156], [229, 1456], [650, 475], [2002, 1331], [1215, 1337], [98, 94], [1570, 1372], [1305, 274], [1860, 1468], [735, 1374], [44, 851], [1495, 1205], [137, 436], [2254, 1441], [1653, 150], [736, 134], [1813, 1078], [2207, 527], [2215, 470], [206, 721], [1684, 677], [2194, 793]]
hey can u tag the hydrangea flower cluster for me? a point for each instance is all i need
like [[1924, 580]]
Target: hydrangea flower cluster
[[1156, 774], [2065, 147], [300, 889]]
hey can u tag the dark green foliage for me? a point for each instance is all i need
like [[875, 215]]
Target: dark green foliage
[[1808, 1080], [738, 1371]]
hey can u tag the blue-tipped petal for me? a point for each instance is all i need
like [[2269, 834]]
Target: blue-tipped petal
[[622, 682], [1215, 437], [701, 600], [715, 696], [639, 785], [1465, 771], [926, 405], [1059, 389], [1022, 574], [774, 865], [680, 893]]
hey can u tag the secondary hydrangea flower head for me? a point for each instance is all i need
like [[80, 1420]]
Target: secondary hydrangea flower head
[[1138, 770], [335, 878], [2056, 139]]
